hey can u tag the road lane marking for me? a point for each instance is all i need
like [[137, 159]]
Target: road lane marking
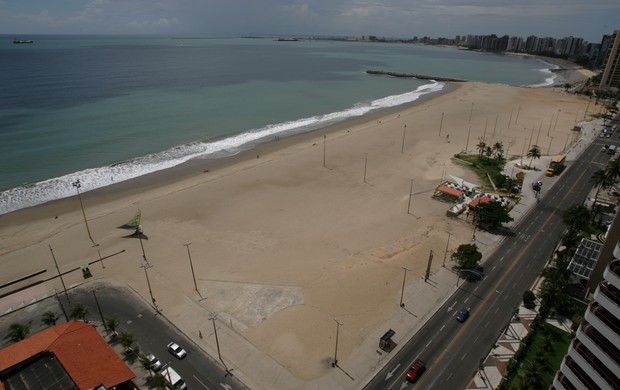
[[464, 355], [444, 325], [427, 344]]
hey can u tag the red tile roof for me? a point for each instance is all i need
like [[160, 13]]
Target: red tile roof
[[480, 199], [83, 353]]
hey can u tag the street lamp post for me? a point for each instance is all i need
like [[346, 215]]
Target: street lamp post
[[410, 194], [148, 282], [335, 363], [191, 265], [77, 186], [213, 317], [446, 252], [440, 124], [402, 291]]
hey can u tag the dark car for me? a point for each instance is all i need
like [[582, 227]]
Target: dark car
[[462, 315], [415, 371]]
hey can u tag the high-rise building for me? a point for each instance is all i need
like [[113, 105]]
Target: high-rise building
[[611, 72], [593, 358]]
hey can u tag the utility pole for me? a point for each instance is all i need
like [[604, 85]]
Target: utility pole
[[59, 274], [335, 363], [402, 292], [191, 265], [213, 317], [77, 186], [446, 252]]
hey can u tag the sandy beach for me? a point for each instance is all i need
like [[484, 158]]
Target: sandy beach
[[300, 231]]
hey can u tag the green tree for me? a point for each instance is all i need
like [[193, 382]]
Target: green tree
[[613, 170], [111, 323], [49, 318], [498, 150], [577, 217], [147, 365], [529, 298], [599, 179], [158, 382], [491, 214], [481, 147], [467, 256], [531, 375], [78, 312], [533, 153], [17, 332], [127, 339]]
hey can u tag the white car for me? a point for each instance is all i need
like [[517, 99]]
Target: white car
[[155, 363], [176, 350]]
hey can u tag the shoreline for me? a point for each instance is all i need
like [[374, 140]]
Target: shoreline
[[285, 242]]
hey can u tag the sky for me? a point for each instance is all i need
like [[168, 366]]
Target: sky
[[587, 19]]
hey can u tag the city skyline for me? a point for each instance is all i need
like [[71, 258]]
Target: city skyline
[[590, 20]]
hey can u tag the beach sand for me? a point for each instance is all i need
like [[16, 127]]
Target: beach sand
[[298, 232]]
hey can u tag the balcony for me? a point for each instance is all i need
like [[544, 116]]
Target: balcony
[[604, 322], [609, 297], [612, 273], [579, 375], [596, 369], [599, 345]]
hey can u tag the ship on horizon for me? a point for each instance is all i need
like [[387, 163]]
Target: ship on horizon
[[19, 41]]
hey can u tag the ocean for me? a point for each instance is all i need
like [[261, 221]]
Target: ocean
[[108, 109]]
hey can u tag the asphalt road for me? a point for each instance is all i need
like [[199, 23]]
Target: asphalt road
[[453, 351], [154, 333]]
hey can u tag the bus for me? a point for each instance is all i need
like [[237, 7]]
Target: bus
[[611, 149], [556, 165]]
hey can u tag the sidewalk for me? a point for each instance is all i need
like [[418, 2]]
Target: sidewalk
[[259, 371], [496, 363]]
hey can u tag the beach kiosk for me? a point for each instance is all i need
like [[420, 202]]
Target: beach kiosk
[[386, 343]]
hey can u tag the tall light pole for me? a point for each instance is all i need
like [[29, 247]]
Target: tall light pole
[[402, 292], [148, 282], [191, 265], [446, 252], [213, 317], [410, 194], [471, 111], [77, 186], [402, 148], [440, 124], [59, 274], [335, 363]]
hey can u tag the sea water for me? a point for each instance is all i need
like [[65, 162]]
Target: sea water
[[108, 109]]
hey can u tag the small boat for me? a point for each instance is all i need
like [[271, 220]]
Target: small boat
[[19, 41]]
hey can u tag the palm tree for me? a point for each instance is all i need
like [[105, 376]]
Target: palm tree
[[599, 179], [157, 382], [531, 375], [78, 312], [533, 153], [481, 147], [49, 318], [577, 217], [613, 170], [111, 323], [17, 332], [498, 149], [147, 365], [488, 151], [127, 339]]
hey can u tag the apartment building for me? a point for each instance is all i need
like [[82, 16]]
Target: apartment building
[[611, 72]]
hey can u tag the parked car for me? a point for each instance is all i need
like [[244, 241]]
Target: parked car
[[415, 371], [155, 363], [462, 315], [176, 350]]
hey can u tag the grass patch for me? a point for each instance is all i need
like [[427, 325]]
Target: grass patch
[[486, 167], [543, 357]]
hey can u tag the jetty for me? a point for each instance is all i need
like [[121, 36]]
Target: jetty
[[413, 76]]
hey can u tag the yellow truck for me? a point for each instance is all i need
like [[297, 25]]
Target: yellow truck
[[556, 165]]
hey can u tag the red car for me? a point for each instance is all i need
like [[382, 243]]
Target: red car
[[415, 371]]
